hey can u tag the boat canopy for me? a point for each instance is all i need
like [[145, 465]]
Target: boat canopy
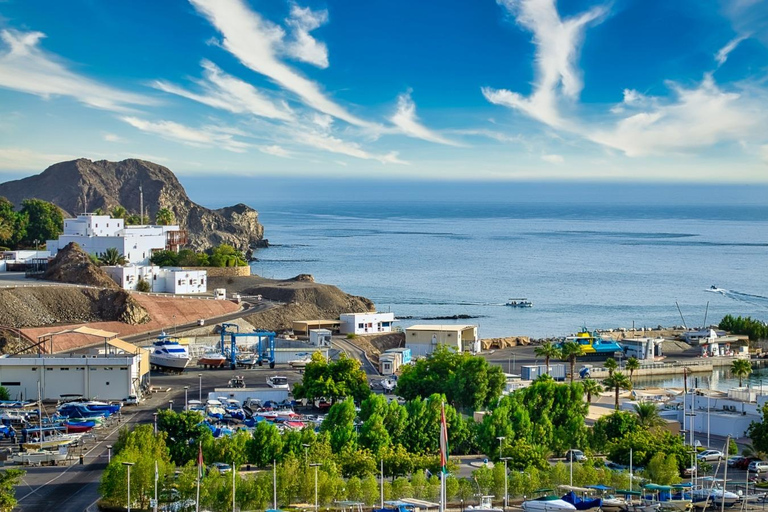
[[657, 487], [683, 485], [543, 489], [575, 489], [629, 493], [599, 487]]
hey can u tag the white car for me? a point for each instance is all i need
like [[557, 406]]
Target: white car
[[711, 455], [221, 467], [758, 466]]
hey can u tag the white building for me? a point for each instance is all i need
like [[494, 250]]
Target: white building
[[160, 279], [366, 323], [423, 339], [18, 260], [97, 233]]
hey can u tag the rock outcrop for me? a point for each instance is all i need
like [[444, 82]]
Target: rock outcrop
[[74, 265], [82, 185]]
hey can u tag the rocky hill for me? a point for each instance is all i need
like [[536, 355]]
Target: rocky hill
[[82, 185], [73, 265]]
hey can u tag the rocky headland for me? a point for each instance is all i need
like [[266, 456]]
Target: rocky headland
[[83, 185]]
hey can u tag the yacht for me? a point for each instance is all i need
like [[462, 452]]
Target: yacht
[[168, 354]]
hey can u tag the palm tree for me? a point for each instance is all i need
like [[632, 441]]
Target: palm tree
[[610, 365], [569, 351], [648, 415], [591, 387], [118, 212], [112, 257], [632, 365], [547, 350], [741, 368], [165, 217], [617, 382]]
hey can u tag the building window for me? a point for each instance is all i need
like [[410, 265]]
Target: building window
[[123, 367], [107, 383], [93, 369], [49, 369], [360, 326], [64, 369], [10, 383]]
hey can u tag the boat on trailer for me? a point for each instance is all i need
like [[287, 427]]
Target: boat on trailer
[[168, 354]]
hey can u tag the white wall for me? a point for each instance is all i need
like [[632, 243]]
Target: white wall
[[185, 281], [160, 279], [366, 323]]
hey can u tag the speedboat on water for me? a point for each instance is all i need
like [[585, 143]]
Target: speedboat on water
[[167, 353], [519, 303]]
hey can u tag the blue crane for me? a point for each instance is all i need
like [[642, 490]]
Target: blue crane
[[265, 352]]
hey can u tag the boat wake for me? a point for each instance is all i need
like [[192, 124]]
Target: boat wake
[[756, 300]]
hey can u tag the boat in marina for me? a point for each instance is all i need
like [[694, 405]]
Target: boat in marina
[[593, 344], [663, 495], [546, 503], [39, 457], [486, 505], [212, 360], [277, 382], [214, 409], [301, 363], [168, 354], [581, 502], [519, 303]]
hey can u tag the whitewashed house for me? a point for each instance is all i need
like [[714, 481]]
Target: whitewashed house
[[366, 323], [160, 279], [97, 233]]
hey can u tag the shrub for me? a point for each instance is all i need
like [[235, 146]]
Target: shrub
[[143, 286]]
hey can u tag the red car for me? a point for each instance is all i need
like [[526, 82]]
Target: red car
[[743, 463]]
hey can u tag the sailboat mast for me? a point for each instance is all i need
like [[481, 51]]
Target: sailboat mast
[[274, 484], [234, 470]]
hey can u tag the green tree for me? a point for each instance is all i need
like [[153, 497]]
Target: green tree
[[112, 257], [185, 432], [4, 393], [6, 230], [591, 387], [612, 427], [118, 212], [14, 224], [227, 256], [741, 368], [648, 415], [617, 382], [164, 258], [569, 351], [45, 221], [755, 329], [758, 432], [611, 365], [188, 258], [143, 285], [663, 469], [266, 444], [632, 365], [548, 351], [143, 449], [340, 424], [9, 479], [341, 378], [165, 217], [465, 380]]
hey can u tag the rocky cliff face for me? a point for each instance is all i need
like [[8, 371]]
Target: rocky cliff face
[[82, 185]]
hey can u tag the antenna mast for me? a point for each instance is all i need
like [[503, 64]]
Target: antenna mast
[[141, 205], [706, 311], [681, 314]]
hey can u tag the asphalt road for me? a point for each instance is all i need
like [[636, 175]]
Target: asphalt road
[[356, 353]]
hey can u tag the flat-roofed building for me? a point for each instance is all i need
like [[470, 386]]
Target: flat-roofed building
[[423, 339], [366, 323], [304, 326]]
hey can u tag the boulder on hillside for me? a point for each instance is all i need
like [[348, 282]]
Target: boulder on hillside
[[74, 265]]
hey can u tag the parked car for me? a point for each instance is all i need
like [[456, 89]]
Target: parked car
[[575, 456], [745, 462], [711, 455], [758, 466], [221, 467], [732, 461], [131, 400], [689, 471]]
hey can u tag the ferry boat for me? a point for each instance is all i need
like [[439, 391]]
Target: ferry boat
[[168, 354], [594, 345]]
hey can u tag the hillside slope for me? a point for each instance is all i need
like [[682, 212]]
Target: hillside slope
[[83, 185]]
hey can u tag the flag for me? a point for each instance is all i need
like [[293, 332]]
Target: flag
[[443, 440]]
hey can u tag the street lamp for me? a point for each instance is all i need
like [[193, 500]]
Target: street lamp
[[506, 494], [170, 405], [314, 465], [109, 453], [128, 465], [200, 387], [186, 402], [501, 440]]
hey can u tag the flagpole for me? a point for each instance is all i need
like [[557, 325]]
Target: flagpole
[[382, 484], [274, 484], [156, 478], [199, 470], [234, 470], [443, 455]]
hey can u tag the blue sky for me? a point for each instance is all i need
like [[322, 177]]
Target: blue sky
[[623, 90]]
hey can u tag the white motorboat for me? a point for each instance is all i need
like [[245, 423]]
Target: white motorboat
[[486, 505], [39, 457], [167, 353], [519, 303], [388, 384], [547, 504], [277, 382], [301, 363], [713, 496]]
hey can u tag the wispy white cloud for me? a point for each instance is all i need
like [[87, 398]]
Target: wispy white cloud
[[553, 159], [111, 137], [209, 136], [25, 67], [406, 120], [21, 159], [722, 54], [224, 91], [275, 150], [257, 44], [302, 46], [696, 117], [557, 46], [333, 144]]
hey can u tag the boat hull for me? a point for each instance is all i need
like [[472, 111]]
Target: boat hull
[[547, 506], [212, 362], [169, 363]]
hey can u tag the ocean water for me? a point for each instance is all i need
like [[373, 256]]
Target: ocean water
[[599, 264]]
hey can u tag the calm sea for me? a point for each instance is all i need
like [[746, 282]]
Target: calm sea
[[591, 259]]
